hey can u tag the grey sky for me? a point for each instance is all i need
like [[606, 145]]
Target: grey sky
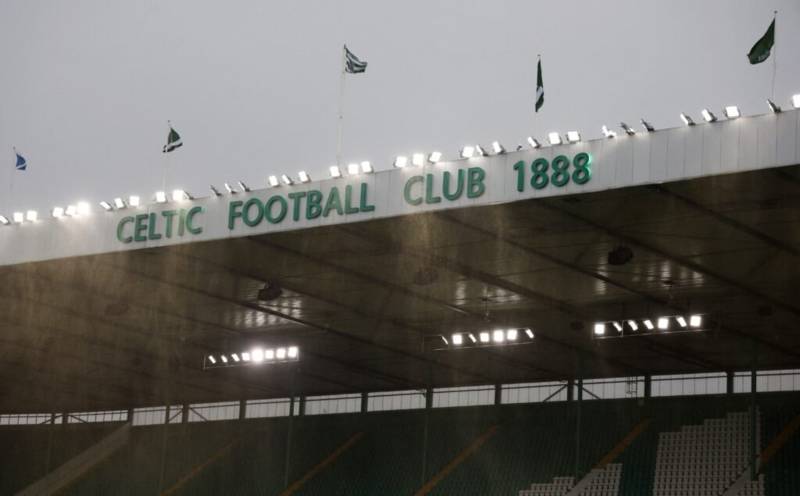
[[252, 86]]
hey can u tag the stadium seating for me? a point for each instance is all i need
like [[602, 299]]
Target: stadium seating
[[690, 446]]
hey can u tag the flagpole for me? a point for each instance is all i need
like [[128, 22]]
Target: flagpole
[[341, 113], [774, 52], [166, 163]]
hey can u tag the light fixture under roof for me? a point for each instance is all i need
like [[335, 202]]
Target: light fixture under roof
[[58, 212], [18, 217], [695, 320], [681, 321], [235, 357], [214, 191], [304, 177], [457, 339], [106, 206], [400, 161], [180, 195], [352, 168], [467, 151], [599, 329], [533, 142], [686, 119], [161, 197], [134, 201], [617, 326], [498, 336], [212, 359], [608, 133], [573, 136], [273, 181], [71, 210], [633, 325], [292, 352], [418, 159], [366, 167], [84, 208], [512, 334], [708, 115], [774, 108], [257, 354], [286, 180], [628, 130], [243, 186], [335, 171], [732, 112], [119, 203], [497, 148], [480, 151], [554, 138], [435, 157], [31, 216], [4, 220], [663, 323], [648, 324], [529, 333], [647, 126], [796, 100], [484, 337]]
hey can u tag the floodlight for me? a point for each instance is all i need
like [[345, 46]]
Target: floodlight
[[352, 169], [649, 324], [573, 136], [529, 333], [161, 197], [280, 353], [663, 323], [467, 151], [336, 172], [273, 181], [134, 201], [223, 358], [418, 159], [484, 337], [633, 325], [434, 157], [269, 354], [366, 167], [628, 130], [497, 148], [243, 186], [695, 320], [681, 321], [647, 126], [71, 210], [286, 180], [599, 329], [106, 206], [119, 203], [554, 138], [445, 340], [257, 354], [58, 212], [608, 133], [18, 217], [708, 115], [533, 142], [235, 357], [512, 334], [31, 215], [83, 208], [796, 101], [229, 188], [457, 339], [180, 195], [687, 120], [472, 337], [732, 112], [245, 356], [774, 108], [212, 359], [617, 326], [498, 336], [4, 220], [292, 352], [400, 162], [215, 191], [304, 177], [480, 151]]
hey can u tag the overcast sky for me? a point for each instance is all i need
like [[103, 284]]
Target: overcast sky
[[252, 86]]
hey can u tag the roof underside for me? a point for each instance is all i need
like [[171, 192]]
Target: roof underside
[[131, 329]]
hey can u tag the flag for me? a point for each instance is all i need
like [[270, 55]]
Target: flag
[[539, 87], [22, 164], [352, 64], [761, 50], [173, 140]]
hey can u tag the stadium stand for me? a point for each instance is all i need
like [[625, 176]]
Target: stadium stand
[[689, 446]]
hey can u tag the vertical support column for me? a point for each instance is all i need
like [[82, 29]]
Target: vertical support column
[[242, 409], [287, 460], [185, 413], [301, 410], [498, 394], [64, 417], [130, 416], [753, 417], [364, 402], [648, 386], [571, 390], [428, 407], [578, 418], [729, 382]]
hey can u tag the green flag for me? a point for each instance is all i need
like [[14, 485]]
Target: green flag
[[539, 87], [173, 141], [761, 50]]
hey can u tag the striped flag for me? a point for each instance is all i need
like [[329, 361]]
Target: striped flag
[[22, 164], [352, 64], [539, 86], [173, 140]]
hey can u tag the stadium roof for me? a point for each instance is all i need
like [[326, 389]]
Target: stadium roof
[[93, 319]]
